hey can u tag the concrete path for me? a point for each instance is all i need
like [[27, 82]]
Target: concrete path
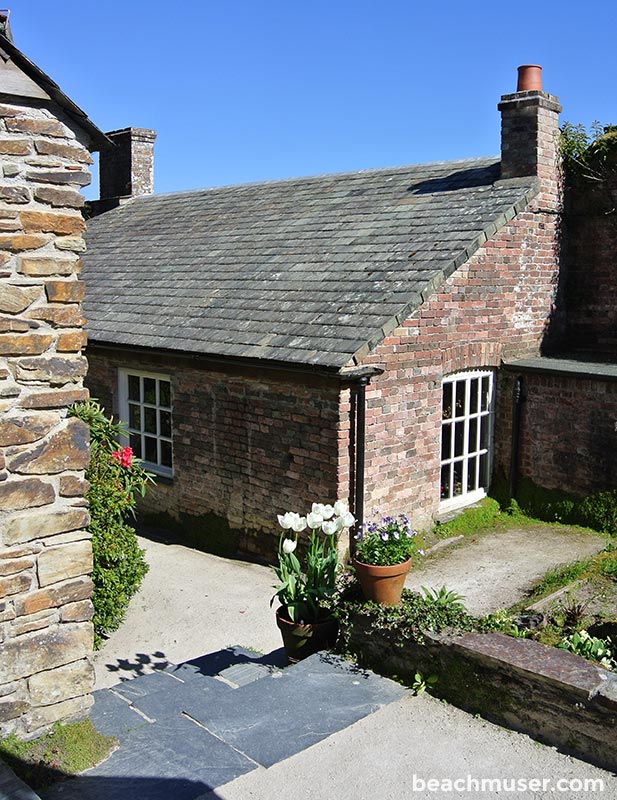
[[495, 569], [190, 603]]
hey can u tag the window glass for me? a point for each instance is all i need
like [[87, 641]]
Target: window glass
[[146, 407]]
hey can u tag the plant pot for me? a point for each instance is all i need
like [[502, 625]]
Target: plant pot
[[382, 584], [302, 639]]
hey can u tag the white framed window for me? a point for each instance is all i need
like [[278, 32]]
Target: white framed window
[[145, 409], [466, 437]]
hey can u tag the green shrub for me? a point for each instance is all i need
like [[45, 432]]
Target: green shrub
[[116, 480], [598, 511]]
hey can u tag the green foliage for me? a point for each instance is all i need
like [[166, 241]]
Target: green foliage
[[558, 577], [66, 750], [386, 541], [598, 511], [590, 647], [502, 622], [444, 597], [421, 684], [588, 153], [485, 515], [116, 481]]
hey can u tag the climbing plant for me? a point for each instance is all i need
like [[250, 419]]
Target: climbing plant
[[116, 481]]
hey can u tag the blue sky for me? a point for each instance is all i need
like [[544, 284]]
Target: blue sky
[[245, 90]]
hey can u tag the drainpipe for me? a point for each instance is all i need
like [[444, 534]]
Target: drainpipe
[[358, 379], [518, 399]]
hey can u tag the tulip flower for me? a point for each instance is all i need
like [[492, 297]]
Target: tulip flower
[[286, 520], [328, 511], [298, 524], [340, 508], [329, 527], [289, 545], [314, 520]]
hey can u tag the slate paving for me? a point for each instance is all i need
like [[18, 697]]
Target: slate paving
[[198, 725]]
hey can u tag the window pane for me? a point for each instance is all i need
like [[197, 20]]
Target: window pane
[[484, 476], [485, 393], [446, 442], [457, 488], [473, 396], [150, 420], [134, 416], [150, 391], [471, 475], [134, 388], [459, 438], [166, 454], [445, 482], [165, 394], [460, 398], [164, 423], [473, 435], [446, 409], [135, 442], [484, 436], [150, 454]]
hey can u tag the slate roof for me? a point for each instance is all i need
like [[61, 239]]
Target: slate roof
[[309, 270]]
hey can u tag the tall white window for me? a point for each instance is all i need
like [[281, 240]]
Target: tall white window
[[145, 409], [466, 437]]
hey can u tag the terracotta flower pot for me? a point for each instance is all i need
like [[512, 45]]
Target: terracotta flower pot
[[382, 584], [302, 639]]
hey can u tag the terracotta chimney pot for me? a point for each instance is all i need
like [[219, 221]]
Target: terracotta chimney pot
[[529, 78]]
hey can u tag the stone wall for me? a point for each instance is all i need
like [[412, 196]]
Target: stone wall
[[556, 697], [247, 444], [45, 553]]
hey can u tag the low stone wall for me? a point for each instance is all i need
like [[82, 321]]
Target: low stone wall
[[554, 696]]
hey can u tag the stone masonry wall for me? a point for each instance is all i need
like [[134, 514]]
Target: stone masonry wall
[[246, 447], [568, 437], [497, 305], [45, 553]]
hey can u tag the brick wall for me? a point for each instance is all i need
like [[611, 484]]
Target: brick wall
[[45, 552], [246, 446], [498, 305], [568, 437]]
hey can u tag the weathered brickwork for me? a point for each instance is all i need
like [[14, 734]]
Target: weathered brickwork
[[246, 447], [45, 552], [568, 436]]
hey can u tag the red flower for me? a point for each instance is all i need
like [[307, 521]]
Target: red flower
[[123, 457]]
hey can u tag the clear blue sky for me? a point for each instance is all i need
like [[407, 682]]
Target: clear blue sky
[[245, 90]]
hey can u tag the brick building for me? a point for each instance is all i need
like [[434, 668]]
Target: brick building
[[352, 335], [45, 553]]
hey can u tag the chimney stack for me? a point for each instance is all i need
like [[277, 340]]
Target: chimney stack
[[529, 128], [127, 169]]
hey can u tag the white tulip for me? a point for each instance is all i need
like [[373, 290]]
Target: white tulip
[[289, 545], [340, 507], [286, 520], [329, 527], [348, 519], [299, 524], [314, 520], [328, 511], [318, 508], [339, 524]]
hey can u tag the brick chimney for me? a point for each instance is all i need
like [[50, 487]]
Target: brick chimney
[[530, 129], [126, 170]]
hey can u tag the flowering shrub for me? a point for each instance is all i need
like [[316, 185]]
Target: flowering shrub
[[301, 591], [116, 480], [386, 541]]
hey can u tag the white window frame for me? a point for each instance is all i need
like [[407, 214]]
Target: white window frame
[[470, 450], [123, 397]]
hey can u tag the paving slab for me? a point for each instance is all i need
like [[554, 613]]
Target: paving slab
[[496, 569], [112, 715], [177, 760], [273, 718]]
